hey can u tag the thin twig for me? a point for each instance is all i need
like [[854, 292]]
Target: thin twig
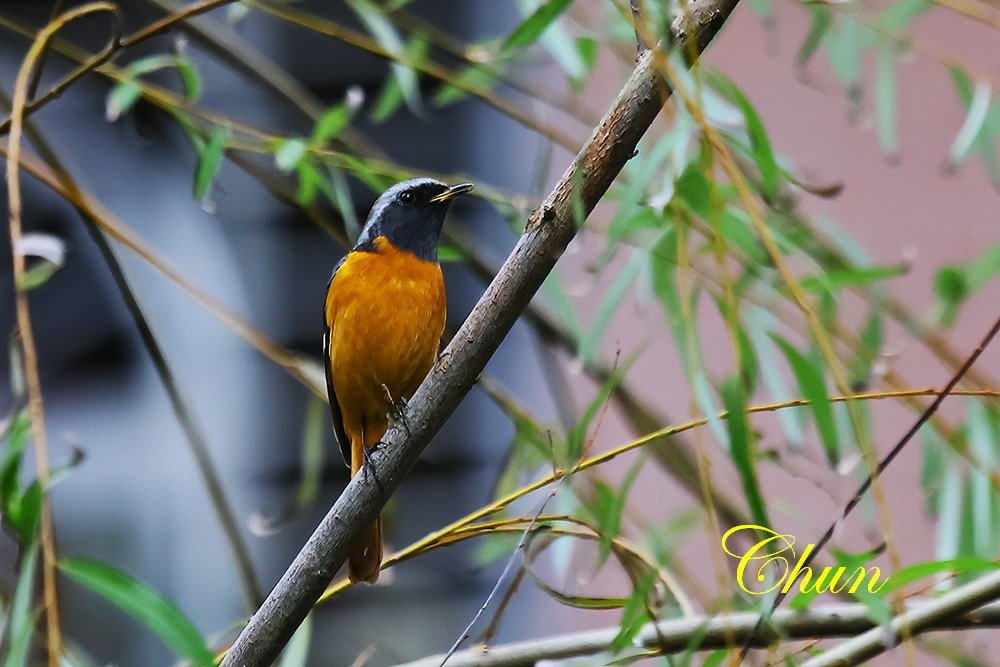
[[518, 551]]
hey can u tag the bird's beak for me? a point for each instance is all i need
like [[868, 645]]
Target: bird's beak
[[453, 191]]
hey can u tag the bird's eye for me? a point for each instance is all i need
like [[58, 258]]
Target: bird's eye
[[407, 198]]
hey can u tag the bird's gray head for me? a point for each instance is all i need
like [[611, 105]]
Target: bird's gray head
[[410, 216]]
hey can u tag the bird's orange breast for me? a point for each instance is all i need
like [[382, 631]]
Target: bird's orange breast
[[386, 312]]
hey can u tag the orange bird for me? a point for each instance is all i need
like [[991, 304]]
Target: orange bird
[[384, 316]]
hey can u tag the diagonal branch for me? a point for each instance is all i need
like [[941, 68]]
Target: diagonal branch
[[705, 633], [548, 231]]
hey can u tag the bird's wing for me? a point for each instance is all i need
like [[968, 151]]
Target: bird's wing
[[338, 417]]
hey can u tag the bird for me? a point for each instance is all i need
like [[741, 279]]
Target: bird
[[384, 315]]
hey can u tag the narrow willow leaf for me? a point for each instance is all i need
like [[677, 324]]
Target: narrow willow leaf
[[190, 77], [901, 13], [331, 123], [531, 29], [313, 456], [973, 127], [150, 64], [634, 613], [760, 323], [949, 513], [663, 261], [983, 438], [338, 191], [561, 306], [577, 436], [382, 29], [448, 252], [121, 98], [611, 508], [743, 447], [764, 11], [837, 279], [296, 653], [22, 618], [844, 43], [809, 377], [289, 154], [983, 269], [886, 98], [819, 24], [388, 102], [147, 607], [209, 161], [760, 144], [472, 77], [870, 340], [951, 288], [908, 575], [610, 304], [932, 468]]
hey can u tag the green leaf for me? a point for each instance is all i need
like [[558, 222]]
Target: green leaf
[[742, 443], [330, 124], [385, 34], [209, 161], [951, 288], [144, 605], [810, 380], [22, 618], [37, 276], [694, 190], [313, 450], [974, 126], [950, 513], [983, 269], [533, 26], [289, 153], [608, 506], [296, 653], [609, 305], [190, 77], [587, 48], [635, 613], [886, 98], [984, 440], [836, 279], [932, 469], [761, 323], [472, 77], [908, 575], [760, 144], [121, 98], [820, 21], [901, 13], [448, 252]]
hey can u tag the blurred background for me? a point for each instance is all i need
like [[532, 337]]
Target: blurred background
[[137, 500]]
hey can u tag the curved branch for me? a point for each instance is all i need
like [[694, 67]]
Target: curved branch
[[548, 231]]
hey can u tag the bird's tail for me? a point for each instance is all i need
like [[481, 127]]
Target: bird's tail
[[366, 555], [365, 558]]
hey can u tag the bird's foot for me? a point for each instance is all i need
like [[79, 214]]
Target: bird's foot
[[369, 467]]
